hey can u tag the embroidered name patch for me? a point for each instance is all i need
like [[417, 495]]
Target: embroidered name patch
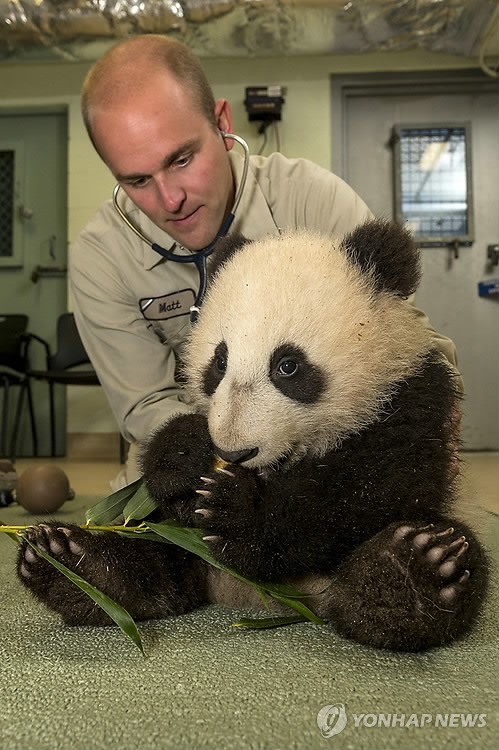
[[169, 306]]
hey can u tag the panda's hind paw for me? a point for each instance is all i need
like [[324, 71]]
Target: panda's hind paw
[[437, 555], [63, 543]]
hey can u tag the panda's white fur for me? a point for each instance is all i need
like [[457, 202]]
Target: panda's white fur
[[299, 288]]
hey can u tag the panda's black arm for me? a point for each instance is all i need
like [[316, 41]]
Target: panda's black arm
[[287, 525], [309, 518], [173, 459]]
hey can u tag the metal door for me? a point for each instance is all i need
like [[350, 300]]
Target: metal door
[[33, 240], [368, 110]]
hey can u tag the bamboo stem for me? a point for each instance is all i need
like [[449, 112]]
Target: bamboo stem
[[89, 527]]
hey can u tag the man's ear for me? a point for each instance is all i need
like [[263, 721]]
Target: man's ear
[[223, 117]]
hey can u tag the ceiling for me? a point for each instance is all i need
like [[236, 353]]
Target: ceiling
[[79, 30]]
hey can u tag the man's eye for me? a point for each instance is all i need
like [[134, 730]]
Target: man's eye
[[183, 161], [138, 183]]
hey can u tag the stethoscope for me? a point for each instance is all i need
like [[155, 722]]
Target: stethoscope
[[200, 257]]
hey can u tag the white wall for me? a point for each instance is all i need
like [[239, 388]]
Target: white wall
[[305, 130]]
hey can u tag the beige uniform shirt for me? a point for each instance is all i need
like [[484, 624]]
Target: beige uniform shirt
[[132, 305]]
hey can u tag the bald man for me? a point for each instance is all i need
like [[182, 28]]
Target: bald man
[[152, 117]]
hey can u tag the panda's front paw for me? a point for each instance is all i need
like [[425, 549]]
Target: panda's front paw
[[173, 458], [226, 511]]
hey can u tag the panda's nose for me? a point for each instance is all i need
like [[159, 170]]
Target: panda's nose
[[236, 457]]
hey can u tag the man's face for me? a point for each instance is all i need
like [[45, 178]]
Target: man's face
[[169, 159]]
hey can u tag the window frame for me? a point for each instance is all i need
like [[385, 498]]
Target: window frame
[[442, 240]]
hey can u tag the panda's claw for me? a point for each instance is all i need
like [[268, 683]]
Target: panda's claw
[[207, 480], [446, 532], [450, 564], [450, 593], [204, 493], [203, 512], [465, 576], [423, 538], [221, 470], [440, 552], [212, 539]]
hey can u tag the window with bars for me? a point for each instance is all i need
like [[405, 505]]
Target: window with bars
[[12, 185], [432, 182], [7, 158]]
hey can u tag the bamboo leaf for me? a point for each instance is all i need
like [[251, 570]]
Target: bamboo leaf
[[139, 506], [115, 611], [111, 507], [299, 607], [263, 596], [267, 622], [190, 540], [285, 589]]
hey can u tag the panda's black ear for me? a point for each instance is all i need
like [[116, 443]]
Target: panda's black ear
[[224, 249], [388, 251]]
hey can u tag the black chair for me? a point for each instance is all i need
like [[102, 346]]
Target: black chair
[[14, 369], [61, 368]]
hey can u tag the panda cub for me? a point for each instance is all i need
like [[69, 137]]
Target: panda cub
[[316, 382]]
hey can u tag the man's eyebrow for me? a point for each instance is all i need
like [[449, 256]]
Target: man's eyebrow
[[167, 161]]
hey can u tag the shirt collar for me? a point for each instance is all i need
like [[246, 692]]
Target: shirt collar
[[253, 217]]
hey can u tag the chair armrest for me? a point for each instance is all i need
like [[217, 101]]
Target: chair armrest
[[7, 372], [29, 337]]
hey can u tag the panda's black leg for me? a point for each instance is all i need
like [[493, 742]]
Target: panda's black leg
[[412, 586], [149, 579]]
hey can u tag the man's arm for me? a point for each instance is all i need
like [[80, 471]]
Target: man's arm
[[444, 344], [136, 370]]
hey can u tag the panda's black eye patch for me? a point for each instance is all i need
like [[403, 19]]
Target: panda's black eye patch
[[295, 376], [215, 371]]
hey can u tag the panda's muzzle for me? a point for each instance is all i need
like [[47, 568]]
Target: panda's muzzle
[[236, 457]]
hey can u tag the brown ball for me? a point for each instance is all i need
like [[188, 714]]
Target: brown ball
[[43, 489]]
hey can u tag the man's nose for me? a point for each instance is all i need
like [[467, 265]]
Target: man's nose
[[170, 194]]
